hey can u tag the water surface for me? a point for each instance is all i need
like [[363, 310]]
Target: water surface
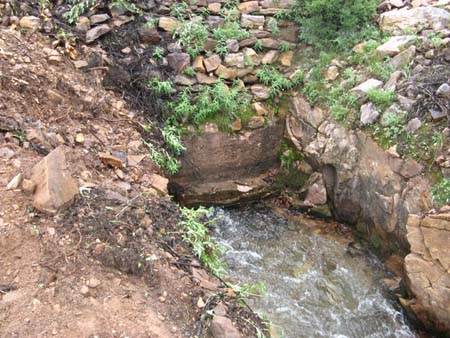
[[315, 288]]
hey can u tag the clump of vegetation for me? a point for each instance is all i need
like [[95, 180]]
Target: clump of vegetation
[[179, 10], [231, 29], [158, 53], [162, 158], [161, 87], [333, 22], [192, 35], [207, 103], [289, 156], [194, 224], [172, 138], [79, 7], [277, 83], [441, 192], [381, 98]]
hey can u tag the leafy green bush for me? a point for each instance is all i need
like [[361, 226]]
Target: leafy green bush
[[192, 35], [208, 102], [194, 224], [441, 192], [332, 21], [161, 87], [277, 83], [231, 29], [380, 97]]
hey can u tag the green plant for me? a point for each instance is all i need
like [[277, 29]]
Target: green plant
[[189, 71], [194, 224], [333, 22], [244, 291], [258, 46], [44, 4], [158, 53], [230, 4], [231, 29], [129, 6], [272, 25], [179, 10], [77, 8], [381, 98], [172, 138], [285, 46], [441, 192], [151, 23], [288, 156], [270, 76], [192, 35], [162, 158], [392, 130], [160, 87]]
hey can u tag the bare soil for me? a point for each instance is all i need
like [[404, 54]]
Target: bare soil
[[113, 264]]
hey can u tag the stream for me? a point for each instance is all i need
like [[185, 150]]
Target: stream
[[315, 287]]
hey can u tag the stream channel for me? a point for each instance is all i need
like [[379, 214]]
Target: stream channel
[[315, 287]]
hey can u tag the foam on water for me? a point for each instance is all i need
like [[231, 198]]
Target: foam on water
[[315, 289]]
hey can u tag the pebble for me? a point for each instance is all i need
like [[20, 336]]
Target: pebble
[[84, 290]]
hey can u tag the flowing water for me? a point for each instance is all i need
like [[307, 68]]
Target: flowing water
[[315, 288]]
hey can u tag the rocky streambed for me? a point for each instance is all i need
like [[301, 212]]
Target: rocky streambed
[[316, 286]]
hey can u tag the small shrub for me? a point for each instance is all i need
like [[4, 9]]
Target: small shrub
[[272, 25], [162, 158], [189, 71], [278, 84], [441, 192], [323, 22], [78, 8], [192, 35], [161, 87], [258, 46], [194, 224], [179, 10], [231, 29], [285, 46], [172, 137], [381, 98], [158, 53]]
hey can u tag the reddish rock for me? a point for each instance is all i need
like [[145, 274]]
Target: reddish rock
[[178, 61], [212, 63], [94, 33], [222, 327], [55, 188]]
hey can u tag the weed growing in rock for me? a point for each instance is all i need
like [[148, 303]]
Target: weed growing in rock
[[189, 71], [258, 46], [179, 10], [285, 46], [381, 98], [272, 25], [194, 224], [158, 53], [441, 192], [162, 158], [192, 35], [161, 87], [231, 30], [78, 8], [277, 83], [172, 138], [208, 102]]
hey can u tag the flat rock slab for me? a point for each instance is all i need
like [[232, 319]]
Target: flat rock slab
[[55, 188]]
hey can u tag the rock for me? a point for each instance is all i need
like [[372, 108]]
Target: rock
[[413, 125], [256, 122], [15, 182], [437, 114], [260, 91], [98, 18], [28, 187], [236, 125], [111, 160], [178, 61], [414, 19], [84, 290], [260, 109], [94, 33], [79, 138], [94, 282], [332, 73], [428, 269], [286, 58], [222, 327], [316, 193], [251, 56], [206, 79], [369, 114], [270, 43], [55, 188], [184, 80], [395, 45], [391, 84], [214, 21], [80, 64], [30, 22], [247, 42], [232, 46], [403, 59], [234, 60], [361, 90], [248, 7], [148, 35], [168, 24], [252, 21], [444, 90], [159, 183], [210, 44], [212, 63], [6, 153], [226, 73], [214, 8], [197, 64], [270, 57]]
